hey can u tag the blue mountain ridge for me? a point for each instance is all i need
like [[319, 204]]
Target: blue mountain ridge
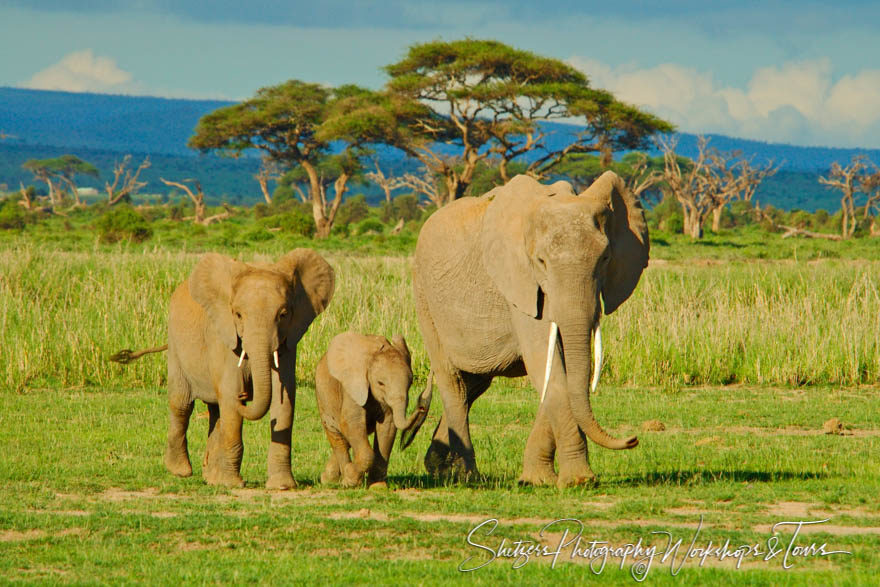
[[36, 121]]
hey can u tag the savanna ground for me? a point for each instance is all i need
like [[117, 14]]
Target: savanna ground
[[741, 346]]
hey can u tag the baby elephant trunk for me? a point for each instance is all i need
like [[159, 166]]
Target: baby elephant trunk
[[401, 422], [259, 356]]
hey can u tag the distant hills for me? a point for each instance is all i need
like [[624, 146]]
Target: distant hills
[[102, 128]]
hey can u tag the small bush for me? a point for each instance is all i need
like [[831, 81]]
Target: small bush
[[123, 223], [294, 220], [12, 216], [352, 211], [369, 225]]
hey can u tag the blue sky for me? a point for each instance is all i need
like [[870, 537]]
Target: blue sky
[[805, 73]]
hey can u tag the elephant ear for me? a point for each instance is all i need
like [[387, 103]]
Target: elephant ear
[[348, 359], [502, 240], [628, 236], [313, 281], [398, 342], [210, 285]]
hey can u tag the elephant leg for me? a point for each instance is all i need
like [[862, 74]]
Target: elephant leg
[[554, 429], [226, 450], [339, 457], [280, 422], [213, 418], [355, 432], [180, 408], [571, 445], [451, 451], [382, 445], [538, 456]]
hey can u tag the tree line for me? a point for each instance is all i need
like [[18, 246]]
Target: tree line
[[469, 113]]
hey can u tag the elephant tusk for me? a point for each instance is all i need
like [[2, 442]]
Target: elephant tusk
[[551, 343], [597, 358], [241, 359], [275, 356]]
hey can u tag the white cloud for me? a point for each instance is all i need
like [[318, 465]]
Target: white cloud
[[83, 71], [797, 102]]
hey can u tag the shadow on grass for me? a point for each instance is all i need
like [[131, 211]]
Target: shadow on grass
[[697, 477], [716, 244], [427, 481]]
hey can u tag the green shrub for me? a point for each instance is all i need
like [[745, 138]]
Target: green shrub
[[12, 216], [123, 223], [371, 224], [352, 211]]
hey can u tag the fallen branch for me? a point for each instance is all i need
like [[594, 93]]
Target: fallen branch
[[791, 231]]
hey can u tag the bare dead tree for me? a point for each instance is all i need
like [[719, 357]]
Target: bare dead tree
[[387, 183], [708, 185], [869, 184], [425, 185], [130, 183], [269, 171], [688, 186], [25, 200], [845, 179], [198, 198], [642, 178]]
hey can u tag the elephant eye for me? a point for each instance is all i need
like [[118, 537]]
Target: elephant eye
[[282, 313], [238, 315], [382, 383]]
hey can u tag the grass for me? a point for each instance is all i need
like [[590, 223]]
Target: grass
[[741, 360], [85, 497], [688, 323]]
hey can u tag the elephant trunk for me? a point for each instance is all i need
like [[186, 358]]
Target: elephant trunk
[[401, 422], [575, 330], [259, 356]]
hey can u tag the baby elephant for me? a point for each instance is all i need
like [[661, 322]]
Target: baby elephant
[[361, 384]]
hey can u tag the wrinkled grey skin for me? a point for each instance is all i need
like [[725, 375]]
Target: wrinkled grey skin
[[224, 309], [490, 275], [362, 384]]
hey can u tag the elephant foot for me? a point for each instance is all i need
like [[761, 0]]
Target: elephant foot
[[223, 478], [331, 473], [178, 464], [378, 485], [352, 477], [538, 476], [437, 458], [281, 481], [577, 480]]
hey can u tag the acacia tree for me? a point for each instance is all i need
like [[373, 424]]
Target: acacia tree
[[269, 171], [303, 125], [488, 99], [847, 180], [640, 172], [60, 170]]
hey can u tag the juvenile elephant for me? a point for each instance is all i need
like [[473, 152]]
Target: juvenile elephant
[[497, 277], [232, 334], [362, 384]]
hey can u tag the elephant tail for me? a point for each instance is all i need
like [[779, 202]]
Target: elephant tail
[[420, 414], [126, 356]]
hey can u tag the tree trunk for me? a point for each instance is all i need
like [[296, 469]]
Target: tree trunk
[[201, 211], [694, 224], [716, 219], [264, 187]]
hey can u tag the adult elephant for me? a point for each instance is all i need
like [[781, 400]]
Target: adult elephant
[[495, 278]]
